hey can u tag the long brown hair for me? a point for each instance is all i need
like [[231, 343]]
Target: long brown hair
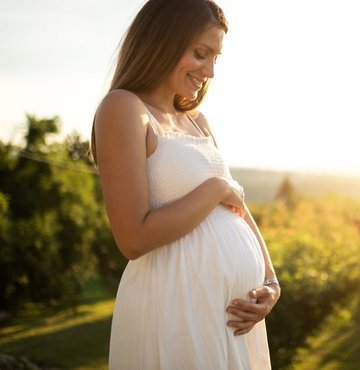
[[155, 42]]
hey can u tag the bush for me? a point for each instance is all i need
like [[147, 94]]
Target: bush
[[314, 246]]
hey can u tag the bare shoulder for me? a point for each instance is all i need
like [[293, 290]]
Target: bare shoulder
[[120, 127], [116, 105], [121, 94]]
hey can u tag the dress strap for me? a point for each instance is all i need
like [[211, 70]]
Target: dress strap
[[196, 125], [153, 122]]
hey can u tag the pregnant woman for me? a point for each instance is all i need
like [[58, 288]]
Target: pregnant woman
[[199, 282]]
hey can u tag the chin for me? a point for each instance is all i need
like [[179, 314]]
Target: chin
[[190, 95]]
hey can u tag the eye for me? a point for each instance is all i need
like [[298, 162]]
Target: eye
[[199, 55]]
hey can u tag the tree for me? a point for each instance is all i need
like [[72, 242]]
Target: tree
[[286, 192], [49, 205]]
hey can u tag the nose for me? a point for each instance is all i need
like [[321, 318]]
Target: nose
[[209, 69]]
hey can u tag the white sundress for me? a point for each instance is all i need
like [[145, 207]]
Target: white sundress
[[170, 306]]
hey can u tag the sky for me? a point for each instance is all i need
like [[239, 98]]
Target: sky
[[286, 92]]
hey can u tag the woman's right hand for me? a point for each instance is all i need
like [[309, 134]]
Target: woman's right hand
[[235, 198]]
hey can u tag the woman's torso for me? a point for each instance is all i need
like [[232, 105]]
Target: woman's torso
[[180, 162]]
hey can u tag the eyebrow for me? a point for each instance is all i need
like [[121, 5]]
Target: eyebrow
[[209, 48]]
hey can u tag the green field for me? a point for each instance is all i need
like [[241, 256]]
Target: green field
[[66, 338], [79, 340]]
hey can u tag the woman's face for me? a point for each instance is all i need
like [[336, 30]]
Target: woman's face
[[197, 63]]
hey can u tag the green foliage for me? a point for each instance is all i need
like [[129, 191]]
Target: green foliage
[[38, 131], [109, 261], [3, 217], [314, 245], [336, 345], [54, 231]]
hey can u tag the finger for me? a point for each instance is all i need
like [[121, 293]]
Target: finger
[[241, 314], [242, 331], [240, 325], [256, 308], [260, 291], [246, 306], [234, 209], [242, 328], [231, 207], [258, 316], [265, 295]]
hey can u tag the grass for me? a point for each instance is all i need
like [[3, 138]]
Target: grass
[[71, 339], [336, 346], [79, 340]]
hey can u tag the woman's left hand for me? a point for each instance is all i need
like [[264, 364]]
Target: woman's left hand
[[251, 313], [238, 211]]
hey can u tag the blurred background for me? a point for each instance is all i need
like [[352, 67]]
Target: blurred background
[[284, 108]]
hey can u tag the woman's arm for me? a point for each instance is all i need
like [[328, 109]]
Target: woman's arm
[[121, 129], [269, 269]]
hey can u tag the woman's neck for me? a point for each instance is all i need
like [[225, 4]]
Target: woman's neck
[[160, 100]]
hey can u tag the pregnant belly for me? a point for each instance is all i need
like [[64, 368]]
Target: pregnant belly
[[220, 256], [232, 248]]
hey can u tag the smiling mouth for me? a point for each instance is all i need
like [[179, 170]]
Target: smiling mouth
[[196, 82]]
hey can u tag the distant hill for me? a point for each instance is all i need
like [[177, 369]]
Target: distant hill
[[261, 185]]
